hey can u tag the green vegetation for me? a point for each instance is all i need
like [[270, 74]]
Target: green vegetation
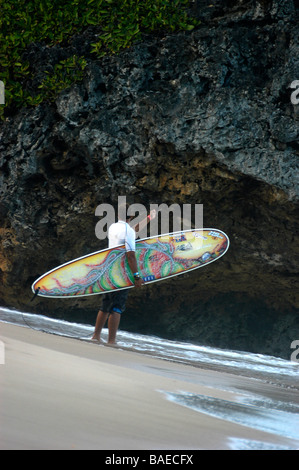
[[120, 23]]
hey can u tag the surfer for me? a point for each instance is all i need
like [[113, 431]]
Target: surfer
[[113, 304]]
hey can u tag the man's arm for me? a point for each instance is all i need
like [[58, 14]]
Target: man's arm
[[131, 254], [133, 266], [145, 221]]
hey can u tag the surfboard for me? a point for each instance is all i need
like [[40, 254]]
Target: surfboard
[[159, 257]]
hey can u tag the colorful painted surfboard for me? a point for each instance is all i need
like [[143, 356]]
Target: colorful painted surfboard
[[158, 258]]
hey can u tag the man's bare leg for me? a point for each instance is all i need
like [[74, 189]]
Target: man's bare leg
[[113, 323], [100, 322]]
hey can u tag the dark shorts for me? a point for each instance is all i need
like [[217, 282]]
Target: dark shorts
[[115, 301]]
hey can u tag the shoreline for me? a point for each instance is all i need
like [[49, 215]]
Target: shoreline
[[61, 393]]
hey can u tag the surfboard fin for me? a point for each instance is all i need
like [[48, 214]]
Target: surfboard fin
[[35, 294]]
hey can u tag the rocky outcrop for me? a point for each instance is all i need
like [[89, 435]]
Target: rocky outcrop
[[198, 117]]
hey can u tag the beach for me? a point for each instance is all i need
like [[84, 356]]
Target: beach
[[64, 393]]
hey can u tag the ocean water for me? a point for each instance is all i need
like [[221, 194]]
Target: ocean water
[[268, 368], [277, 415]]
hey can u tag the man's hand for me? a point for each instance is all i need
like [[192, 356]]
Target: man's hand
[[139, 282], [153, 214]]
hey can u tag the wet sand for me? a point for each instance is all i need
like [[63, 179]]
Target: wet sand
[[63, 393]]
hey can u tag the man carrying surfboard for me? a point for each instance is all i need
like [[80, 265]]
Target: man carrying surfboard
[[113, 303]]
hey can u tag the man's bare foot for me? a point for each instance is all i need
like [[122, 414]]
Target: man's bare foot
[[96, 340]]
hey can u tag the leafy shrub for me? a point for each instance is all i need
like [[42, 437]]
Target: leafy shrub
[[52, 22]]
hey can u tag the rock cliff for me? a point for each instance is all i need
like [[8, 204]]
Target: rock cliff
[[200, 117]]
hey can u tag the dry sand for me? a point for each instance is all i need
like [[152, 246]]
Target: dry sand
[[62, 393]]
